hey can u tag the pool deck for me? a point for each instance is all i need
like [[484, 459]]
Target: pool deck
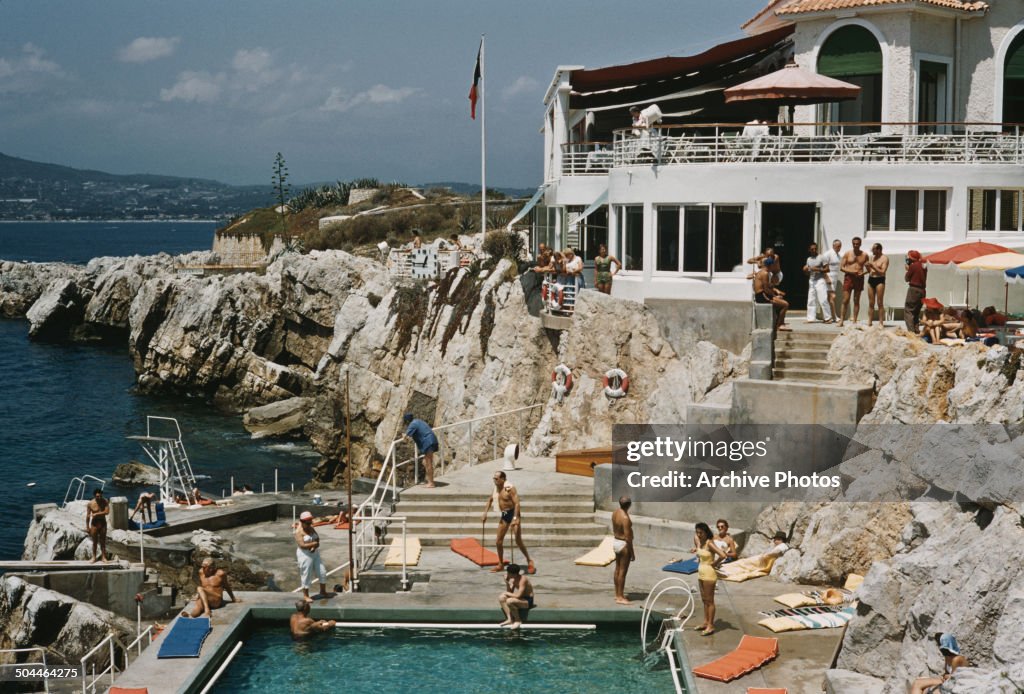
[[457, 585]]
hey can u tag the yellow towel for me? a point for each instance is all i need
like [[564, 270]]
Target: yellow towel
[[779, 624], [796, 600], [602, 555], [412, 552], [748, 568], [853, 582]]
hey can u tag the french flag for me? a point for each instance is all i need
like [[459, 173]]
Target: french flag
[[476, 82]]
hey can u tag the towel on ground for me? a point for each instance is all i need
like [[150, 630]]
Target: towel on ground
[[683, 566], [185, 639], [412, 552], [748, 568], [602, 555]]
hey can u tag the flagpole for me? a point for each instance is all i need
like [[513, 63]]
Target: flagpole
[[483, 138]]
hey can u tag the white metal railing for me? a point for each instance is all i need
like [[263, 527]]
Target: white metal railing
[[682, 678], [430, 264], [586, 158], [26, 663], [875, 143], [90, 677], [559, 298], [375, 512], [79, 484]]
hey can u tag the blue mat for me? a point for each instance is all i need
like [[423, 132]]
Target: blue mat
[[185, 639], [161, 520], [689, 566]]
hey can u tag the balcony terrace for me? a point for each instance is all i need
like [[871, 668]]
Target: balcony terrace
[[848, 143]]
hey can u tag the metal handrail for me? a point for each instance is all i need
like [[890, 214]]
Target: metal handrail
[[80, 493], [111, 668], [152, 418], [32, 649]]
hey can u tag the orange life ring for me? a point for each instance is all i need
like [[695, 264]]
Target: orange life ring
[[561, 381], [556, 297], [613, 376]]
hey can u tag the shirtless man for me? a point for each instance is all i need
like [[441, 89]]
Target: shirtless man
[[210, 595], [508, 505], [622, 528], [302, 625], [765, 293], [96, 523], [145, 504], [853, 267], [518, 595]]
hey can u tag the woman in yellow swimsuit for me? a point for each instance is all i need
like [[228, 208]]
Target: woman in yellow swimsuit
[[708, 555]]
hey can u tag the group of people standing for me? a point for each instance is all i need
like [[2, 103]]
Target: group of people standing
[[834, 278], [567, 266]]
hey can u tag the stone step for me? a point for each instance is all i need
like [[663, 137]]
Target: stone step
[[477, 506], [437, 495], [817, 375], [803, 341], [801, 352], [531, 541], [801, 364], [456, 529]]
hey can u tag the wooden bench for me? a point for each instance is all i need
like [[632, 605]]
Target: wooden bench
[[582, 462]]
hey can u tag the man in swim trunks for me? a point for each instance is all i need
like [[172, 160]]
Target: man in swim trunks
[[518, 595], [96, 523], [508, 505], [426, 443], [145, 504], [302, 625], [852, 267], [765, 293], [622, 528], [210, 594]]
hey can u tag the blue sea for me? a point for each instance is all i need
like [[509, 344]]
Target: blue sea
[[66, 409]]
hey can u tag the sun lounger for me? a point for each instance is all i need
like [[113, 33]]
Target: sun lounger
[[185, 639], [746, 569], [602, 555], [471, 549], [750, 654], [830, 596], [412, 552], [803, 618], [767, 690], [683, 566]]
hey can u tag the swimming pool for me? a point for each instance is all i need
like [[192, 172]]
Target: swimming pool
[[445, 661]]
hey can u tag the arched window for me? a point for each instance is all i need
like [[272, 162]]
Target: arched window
[[1013, 82], [852, 54]]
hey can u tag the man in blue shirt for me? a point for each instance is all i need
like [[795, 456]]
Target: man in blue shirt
[[426, 442]]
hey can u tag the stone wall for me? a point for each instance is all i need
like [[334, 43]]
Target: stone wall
[[238, 249]]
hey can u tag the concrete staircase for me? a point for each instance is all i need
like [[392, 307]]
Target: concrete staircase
[[549, 520], [802, 355]]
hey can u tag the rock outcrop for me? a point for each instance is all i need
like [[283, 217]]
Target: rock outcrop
[[281, 418], [21, 284], [133, 474], [65, 627]]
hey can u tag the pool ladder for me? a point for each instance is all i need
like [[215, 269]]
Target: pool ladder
[[682, 677]]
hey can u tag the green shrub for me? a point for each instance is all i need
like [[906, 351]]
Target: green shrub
[[504, 244]]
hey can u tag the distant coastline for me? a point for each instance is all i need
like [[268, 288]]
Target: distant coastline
[[112, 221]]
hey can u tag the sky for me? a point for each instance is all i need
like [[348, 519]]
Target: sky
[[343, 89]]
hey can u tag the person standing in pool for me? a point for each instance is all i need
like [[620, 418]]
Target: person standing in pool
[[508, 505], [302, 625], [518, 595], [96, 523], [622, 528], [426, 443]]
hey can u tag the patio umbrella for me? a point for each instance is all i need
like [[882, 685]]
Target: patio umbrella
[[961, 253], [996, 261], [793, 85]]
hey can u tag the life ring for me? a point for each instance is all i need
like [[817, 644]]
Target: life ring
[[616, 383], [544, 291], [561, 381], [556, 297]]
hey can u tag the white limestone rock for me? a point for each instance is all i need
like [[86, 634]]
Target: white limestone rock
[[58, 310], [279, 418], [57, 534], [849, 682], [871, 355]]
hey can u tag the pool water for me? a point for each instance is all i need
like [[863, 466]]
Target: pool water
[[444, 662]]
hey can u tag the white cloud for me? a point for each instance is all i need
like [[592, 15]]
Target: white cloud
[[23, 72], [147, 48], [254, 60], [197, 87], [338, 100], [522, 85]]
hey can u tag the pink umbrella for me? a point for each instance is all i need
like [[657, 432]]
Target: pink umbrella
[[963, 252]]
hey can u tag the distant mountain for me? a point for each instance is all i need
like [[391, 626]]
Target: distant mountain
[[474, 189], [40, 191]]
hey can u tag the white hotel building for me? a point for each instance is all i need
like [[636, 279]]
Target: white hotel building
[[929, 154]]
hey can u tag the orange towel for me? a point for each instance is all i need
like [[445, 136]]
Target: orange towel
[[750, 654], [122, 690], [471, 549], [763, 690]]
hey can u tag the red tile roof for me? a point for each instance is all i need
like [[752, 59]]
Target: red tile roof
[[808, 6]]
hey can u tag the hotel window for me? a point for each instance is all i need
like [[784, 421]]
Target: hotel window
[[699, 239], [994, 209], [631, 219], [904, 209]]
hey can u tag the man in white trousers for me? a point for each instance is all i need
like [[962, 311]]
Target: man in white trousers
[[818, 285]]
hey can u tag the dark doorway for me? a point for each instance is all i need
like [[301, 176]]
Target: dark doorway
[[790, 228]]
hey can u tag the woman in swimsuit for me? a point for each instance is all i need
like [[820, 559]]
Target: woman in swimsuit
[[725, 541], [876, 266], [950, 650], [707, 554], [603, 272]]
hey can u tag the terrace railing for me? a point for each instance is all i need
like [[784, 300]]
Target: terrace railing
[[428, 263], [586, 158], [38, 663], [857, 143]]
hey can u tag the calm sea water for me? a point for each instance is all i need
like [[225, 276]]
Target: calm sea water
[[66, 409]]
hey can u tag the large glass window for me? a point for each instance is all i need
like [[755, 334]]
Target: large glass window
[[696, 237], [631, 221], [667, 240], [906, 210], [728, 238], [852, 54], [994, 209]]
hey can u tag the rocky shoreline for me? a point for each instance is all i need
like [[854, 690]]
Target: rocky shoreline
[[280, 347]]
